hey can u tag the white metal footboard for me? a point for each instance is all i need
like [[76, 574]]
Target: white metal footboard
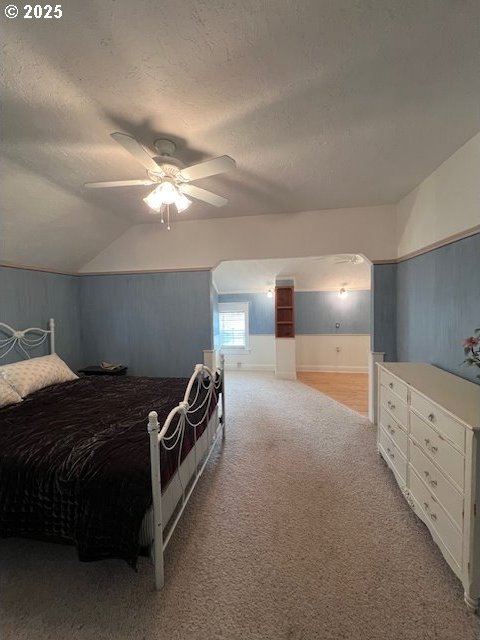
[[181, 486]]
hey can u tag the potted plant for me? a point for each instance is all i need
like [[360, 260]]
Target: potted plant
[[471, 348]]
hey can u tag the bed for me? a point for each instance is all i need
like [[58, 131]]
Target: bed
[[105, 463]]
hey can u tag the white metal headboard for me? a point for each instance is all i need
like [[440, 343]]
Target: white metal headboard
[[26, 338]]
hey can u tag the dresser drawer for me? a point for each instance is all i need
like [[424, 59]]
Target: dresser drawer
[[438, 485], [394, 384], [437, 518], [397, 433], [393, 455], [442, 422], [392, 403], [438, 449]]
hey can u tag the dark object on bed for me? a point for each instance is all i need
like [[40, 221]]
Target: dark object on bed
[[96, 370], [75, 466]]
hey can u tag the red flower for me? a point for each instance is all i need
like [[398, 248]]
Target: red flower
[[471, 342]]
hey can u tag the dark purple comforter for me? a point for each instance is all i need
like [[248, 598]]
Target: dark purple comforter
[[75, 462]]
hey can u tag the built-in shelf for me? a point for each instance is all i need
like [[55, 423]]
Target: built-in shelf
[[284, 312]]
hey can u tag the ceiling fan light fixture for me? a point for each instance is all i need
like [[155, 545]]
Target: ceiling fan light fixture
[[166, 193], [182, 202], [154, 201]]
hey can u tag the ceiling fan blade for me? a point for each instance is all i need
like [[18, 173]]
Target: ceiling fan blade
[[203, 194], [136, 150], [353, 259], [118, 183], [208, 168]]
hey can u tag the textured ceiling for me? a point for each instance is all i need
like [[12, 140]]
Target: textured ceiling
[[323, 104], [310, 274]]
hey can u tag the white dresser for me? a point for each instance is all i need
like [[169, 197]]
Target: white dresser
[[429, 435]]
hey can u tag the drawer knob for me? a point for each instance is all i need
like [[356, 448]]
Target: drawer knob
[[433, 483], [426, 474], [433, 516], [425, 504], [390, 384], [391, 405], [431, 417], [429, 446]]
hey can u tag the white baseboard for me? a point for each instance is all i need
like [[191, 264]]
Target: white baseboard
[[287, 375], [329, 368], [250, 367]]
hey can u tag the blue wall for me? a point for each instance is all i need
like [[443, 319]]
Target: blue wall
[[158, 324], [438, 305], [29, 298], [384, 310], [317, 312], [261, 311], [215, 318]]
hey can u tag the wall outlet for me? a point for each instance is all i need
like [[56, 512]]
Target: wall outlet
[[337, 325], [338, 349]]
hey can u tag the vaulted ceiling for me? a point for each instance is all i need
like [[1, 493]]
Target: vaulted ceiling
[[323, 104]]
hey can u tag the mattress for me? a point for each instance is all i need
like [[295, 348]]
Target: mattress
[[75, 461]]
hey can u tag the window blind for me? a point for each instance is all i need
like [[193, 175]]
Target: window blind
[[232, 326]]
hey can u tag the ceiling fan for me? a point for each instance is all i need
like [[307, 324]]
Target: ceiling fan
[[347, 258], [171, 177]]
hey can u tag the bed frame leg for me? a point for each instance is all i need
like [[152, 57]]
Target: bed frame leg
[[153, 430], [51, 327]]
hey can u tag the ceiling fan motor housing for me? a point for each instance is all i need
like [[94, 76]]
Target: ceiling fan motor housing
[[166, 171], [164, 147], [163, 161]]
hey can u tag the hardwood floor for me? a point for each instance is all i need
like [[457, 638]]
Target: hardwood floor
[[350, 389]]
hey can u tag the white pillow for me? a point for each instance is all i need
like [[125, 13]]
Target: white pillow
[[8, 395], [31, 375]]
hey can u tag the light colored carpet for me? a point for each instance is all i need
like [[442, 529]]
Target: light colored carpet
[[297, 531]]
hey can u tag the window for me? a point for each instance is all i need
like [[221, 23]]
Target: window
[[233, 326]]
